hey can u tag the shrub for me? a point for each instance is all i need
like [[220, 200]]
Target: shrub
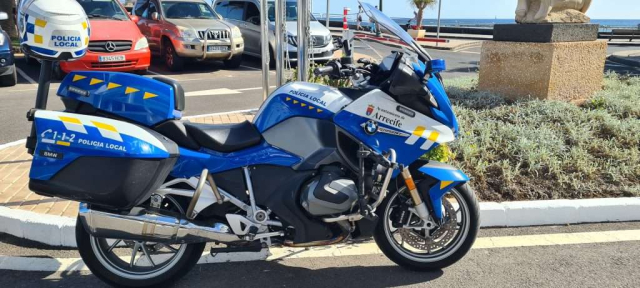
[[549, 149]]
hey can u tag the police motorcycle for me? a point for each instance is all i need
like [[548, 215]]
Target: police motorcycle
[[318, 165]]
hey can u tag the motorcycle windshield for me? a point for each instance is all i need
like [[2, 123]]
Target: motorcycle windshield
[[393, 28]]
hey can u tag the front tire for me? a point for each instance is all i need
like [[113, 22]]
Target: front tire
[[437, 255], [234, 62]]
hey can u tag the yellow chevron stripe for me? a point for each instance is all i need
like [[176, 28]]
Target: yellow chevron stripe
[[148, 95], [38, 39], [130, 90], [70, 120], [84, 25], [105, 126], [433, 136], [78, 77], [302, 104], [95, 81], [113, 86], [419, 130]]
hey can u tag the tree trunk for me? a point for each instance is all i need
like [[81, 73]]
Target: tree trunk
[[419, 20], [9, 25]]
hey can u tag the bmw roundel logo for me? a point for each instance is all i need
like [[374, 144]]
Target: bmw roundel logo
[[371, 127]]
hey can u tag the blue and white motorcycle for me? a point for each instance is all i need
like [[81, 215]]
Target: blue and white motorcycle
[[318, 166]]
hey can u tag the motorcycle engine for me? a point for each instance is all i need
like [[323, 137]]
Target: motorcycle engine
[[329, 193]]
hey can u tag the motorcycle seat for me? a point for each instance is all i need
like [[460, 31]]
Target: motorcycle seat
[[224, 137]]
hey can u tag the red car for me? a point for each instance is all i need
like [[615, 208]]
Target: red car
[[116, 43]]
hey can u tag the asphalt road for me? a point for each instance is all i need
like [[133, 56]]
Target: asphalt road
[[220, 90], [609, 264]]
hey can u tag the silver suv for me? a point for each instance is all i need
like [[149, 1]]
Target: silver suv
[[179, 29], [246, 15]]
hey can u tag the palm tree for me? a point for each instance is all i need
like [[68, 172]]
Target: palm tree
[[9, 25], [421, 5]]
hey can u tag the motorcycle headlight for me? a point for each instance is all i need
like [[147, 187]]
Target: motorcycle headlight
[[141, 44], [235, 32], [188, 33]]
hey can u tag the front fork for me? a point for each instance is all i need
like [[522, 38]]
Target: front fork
[[420, 206]]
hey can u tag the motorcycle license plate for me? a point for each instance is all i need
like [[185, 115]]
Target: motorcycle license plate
[[217, 48], [112, 58]]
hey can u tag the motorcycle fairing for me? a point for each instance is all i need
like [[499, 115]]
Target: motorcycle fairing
[[190, 163], [300, 99], [448, 177], [64, 137], [140, 99], [408, 132], [444, 113]]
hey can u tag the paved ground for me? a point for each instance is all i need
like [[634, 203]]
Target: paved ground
[[524, 262], [220, 90]]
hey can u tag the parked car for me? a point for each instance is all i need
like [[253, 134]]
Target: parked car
[[115, 44], [188, 29], [246, 15], [8, 73]]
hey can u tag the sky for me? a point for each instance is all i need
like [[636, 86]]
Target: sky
[[482, 9]]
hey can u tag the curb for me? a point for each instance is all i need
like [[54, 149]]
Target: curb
[[60, 231], [624, 60]]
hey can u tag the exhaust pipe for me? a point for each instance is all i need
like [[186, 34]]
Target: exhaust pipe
[[152, 227]]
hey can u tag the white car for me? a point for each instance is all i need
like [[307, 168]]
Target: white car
[[246, 15]]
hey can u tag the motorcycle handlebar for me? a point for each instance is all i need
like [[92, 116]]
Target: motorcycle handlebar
[[323, 70]]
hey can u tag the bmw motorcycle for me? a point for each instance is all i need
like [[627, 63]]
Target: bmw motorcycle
[[318, 166]]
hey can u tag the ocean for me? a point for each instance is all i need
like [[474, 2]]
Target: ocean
[[605, 24]]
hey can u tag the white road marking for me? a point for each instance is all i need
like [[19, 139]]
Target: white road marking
[[369, 248], [254, 88], [212, 92], [26, 77]]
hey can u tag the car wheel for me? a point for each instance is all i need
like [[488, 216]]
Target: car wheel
[[10, 80], [171, 58], [233, 63]]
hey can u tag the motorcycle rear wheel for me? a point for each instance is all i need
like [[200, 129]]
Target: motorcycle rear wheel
[[123, 263], [429, 254]]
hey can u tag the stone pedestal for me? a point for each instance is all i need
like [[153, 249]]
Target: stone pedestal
[[558, 65], [417, 33]]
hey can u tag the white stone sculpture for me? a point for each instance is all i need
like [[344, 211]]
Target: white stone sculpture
[[552, 11]]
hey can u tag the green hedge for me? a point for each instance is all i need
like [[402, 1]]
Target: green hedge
[[549, 149]]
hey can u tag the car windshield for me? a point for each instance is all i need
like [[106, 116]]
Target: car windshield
[[292, 11], [392, 27], [105, 9], [188, 10]]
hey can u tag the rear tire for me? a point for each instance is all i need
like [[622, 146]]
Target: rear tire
[[426, 262], [233, 63], [10, 80], [171, 58]]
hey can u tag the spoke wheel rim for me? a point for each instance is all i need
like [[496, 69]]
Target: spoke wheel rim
[[145, 260], [462, 231], [169, 56]]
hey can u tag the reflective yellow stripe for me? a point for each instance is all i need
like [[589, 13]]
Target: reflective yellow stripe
[[38, 39], [84, 25], [148, 95], [78, 77], [105, 126], [434, 136], [130, 90], [41, 23], [419, 130], [70, 120], [444, 184], [112, 86], [95, 81], [62, 143]]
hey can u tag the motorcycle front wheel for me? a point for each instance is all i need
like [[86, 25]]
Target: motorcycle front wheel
[[424, 246], [125, 263]]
